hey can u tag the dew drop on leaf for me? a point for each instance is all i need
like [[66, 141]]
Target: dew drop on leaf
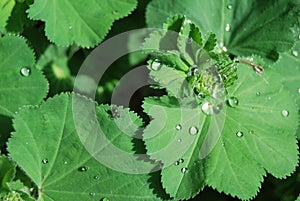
[[181, 160], [193, 130], [45, 161], [25, 72], [201, 95], [258, 93], [96, 177], [155, 65], [176, 163], [229, 6], [299, 90], [285, 113], [239, 134], [178, 127], [233, 102], [223, 144], [104, 199], [65, 162], [193, 71], [210, 109], [295, 53], [179, 140], [92, 194], [251, 132], [115, 12], [184, 170], [227, 27], [187, 22], [189, 41], [83, 169]]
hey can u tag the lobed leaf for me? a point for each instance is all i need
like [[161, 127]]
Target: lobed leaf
[[20, 82], [59, 147], [79, 22], [230, 150], [242, 28]]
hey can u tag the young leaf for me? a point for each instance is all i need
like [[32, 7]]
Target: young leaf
[[80, 22], [58, 145], [243, 28], [242, 150], [20, 82]]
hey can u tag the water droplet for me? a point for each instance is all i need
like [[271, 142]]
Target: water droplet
[[155, 65], [31, 190], [83, 169], [251, 132], [115, 12], [224, 49], [176, 163], [285, 113], [295, 53], [193, 71], [25, 72], [258, 93], [178, 127], [233, 102], [105, 199], [227, 27], [45, 161], [187, 22], [201, 95], [92, 194], [239, 134], [223, 144], [184, 170], [193, 130], [269, 98], [65, 162], [299, 90], [181, 160], [70, 27], [189, 41], [229, 6], [179, 140], [96, 177], [211, 109]]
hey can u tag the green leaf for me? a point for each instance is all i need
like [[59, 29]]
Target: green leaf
[[242, 28], [298, 199], [245, 138], [288, 68], [18, 17], [20, 82], [6, 7], [69, 22], [167, 139], [60, 148], [7, 172]]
